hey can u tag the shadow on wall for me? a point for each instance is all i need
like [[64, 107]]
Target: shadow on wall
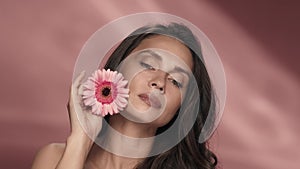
[[275, 24]]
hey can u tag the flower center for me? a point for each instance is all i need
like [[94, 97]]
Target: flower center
[[105, 92]]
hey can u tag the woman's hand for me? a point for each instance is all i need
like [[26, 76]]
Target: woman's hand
[[84, 128], [82, 120]]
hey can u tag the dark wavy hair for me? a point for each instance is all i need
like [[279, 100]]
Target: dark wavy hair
[[188, 153]]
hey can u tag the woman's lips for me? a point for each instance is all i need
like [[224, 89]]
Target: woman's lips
[[151, 100], [145, 98]]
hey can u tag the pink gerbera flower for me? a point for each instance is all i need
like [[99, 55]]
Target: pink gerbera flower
[[105, 92]]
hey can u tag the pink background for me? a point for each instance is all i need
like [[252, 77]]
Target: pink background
[[258, 42]]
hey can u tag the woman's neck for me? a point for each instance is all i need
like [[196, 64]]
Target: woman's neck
[[102, 159], [131, 129], [123, 144]]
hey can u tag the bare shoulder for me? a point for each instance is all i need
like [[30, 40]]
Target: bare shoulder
[[49, 156]]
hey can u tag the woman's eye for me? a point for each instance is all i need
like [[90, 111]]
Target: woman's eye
[[147, 66], [175, 83]]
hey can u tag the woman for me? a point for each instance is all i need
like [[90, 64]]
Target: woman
[[173, 40]]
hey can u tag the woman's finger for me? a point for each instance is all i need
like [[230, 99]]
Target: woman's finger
[[80, 90], [78, 79], [77, 82]]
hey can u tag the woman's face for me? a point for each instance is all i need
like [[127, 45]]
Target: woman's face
[[158, 71]]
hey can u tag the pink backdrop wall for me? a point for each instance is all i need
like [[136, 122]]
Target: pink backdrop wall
[[257, 42]]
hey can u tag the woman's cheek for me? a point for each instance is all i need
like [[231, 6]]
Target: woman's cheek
[[174, 94], [173, 100]]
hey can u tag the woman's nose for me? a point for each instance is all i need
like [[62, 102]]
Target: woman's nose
[[158, 80]]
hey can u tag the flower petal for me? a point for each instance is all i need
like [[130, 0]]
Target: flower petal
[[110, 110], [123, 90], [118, 78], [88, 92], [99, 108], [122, 83], [89, 101], [105, 110], [90, 86], [114, 107], [123, 95]]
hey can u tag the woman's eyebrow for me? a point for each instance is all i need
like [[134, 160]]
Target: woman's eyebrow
[[179, 69], [152, 53]]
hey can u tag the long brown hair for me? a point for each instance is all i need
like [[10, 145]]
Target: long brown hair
[[188, 153]]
